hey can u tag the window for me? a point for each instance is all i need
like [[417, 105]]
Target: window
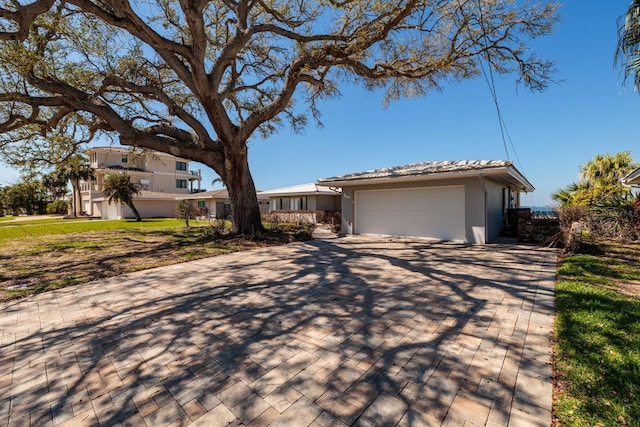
[[181, 183], [302, 203], [181, 166], [202, 204], [125, 158], [298, 204]]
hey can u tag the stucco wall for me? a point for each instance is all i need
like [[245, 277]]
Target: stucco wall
[[112, 158], [475, 227], [166, 182], [263, 205], [96, 209], [153, 209], [327, 203], [158, 164]]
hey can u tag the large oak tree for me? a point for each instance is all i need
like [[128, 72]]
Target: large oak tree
[[199, 78]]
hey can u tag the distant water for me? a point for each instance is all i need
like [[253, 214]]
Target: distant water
[[543, 210], [540, 208]]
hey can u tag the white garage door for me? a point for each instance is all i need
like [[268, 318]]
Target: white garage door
[[111, 211], [436, 212]]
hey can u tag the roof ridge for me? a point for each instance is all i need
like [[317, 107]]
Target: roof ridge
[[426, 167]]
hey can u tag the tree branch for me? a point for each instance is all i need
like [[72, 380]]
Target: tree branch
[[23, 17], [156, 93]]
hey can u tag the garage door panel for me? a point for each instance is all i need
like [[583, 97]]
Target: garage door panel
[[111, 210], [436, 212]]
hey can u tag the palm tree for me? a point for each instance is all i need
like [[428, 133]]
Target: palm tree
[[76, 169], [56, 185], [608, 169], [566, 196], [628, 53], [218, 181], [119, 189], [600, 182]]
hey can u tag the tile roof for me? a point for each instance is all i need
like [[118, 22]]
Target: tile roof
[[302, 189], [132, 151], [423, 168], [633, 178], [211, 194]]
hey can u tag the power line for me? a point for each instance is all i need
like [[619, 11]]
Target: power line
[[492, 90], [504, 132]]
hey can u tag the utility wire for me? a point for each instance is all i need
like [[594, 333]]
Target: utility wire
[[503, 126], [494, 95]]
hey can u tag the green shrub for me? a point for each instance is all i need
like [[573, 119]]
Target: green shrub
[[217, 227], [57, 207]]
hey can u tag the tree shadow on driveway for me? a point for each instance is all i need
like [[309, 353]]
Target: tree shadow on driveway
[[342, 332]]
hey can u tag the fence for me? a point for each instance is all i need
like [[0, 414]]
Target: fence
[[312, 217]]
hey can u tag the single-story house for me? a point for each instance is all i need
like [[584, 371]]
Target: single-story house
[[304, 197], [464, 201], [152, 204], [217, 203], [632, 179], [149, 204]]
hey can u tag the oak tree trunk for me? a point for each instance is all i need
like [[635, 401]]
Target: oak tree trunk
[[242, 193]]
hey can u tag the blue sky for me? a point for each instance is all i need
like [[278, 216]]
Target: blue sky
[[587, 113]]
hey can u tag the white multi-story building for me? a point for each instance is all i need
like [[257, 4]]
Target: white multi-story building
[[161, 177]]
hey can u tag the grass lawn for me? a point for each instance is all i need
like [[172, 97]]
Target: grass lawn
[[51, 226], [41, 255], [597, 359]]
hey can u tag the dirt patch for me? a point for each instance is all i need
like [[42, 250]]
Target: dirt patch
[[612, 264], [50, 262], [630, 289], [624, 257]]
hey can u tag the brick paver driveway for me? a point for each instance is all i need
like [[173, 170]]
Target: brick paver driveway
[[354, 331]]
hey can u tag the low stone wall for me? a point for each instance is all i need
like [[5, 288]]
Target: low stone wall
[[513, 217], [312, 217], [536, 230]]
